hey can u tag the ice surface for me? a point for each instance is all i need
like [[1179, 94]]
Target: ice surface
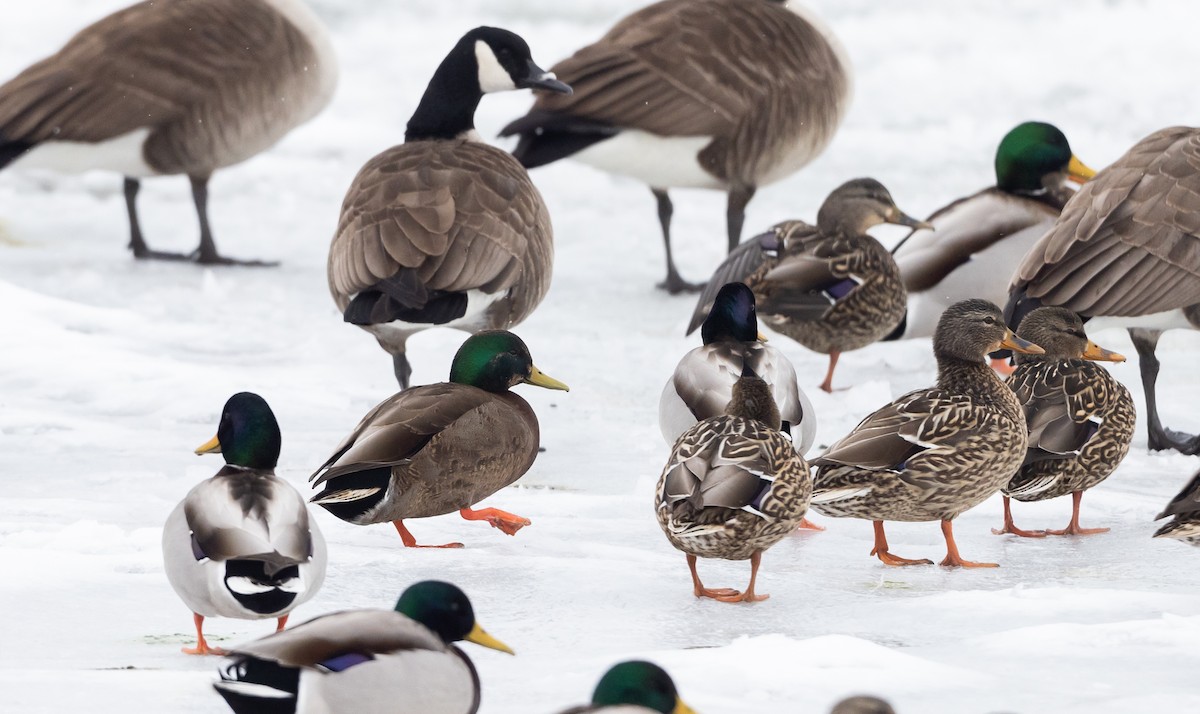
[[111, 372]]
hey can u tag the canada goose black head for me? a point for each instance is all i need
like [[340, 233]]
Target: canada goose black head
[[859, 204], [486, 59]]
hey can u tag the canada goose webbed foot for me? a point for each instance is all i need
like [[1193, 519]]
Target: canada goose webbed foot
[[1162, 439], [505, 521], [676, 285], [202, 257]]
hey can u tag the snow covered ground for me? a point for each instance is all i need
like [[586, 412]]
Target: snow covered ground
[[111, 372]]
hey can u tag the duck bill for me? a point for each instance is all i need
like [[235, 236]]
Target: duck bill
[[539, 78], [212, 446], [1078, 171], [1096, 353], [761, 336], [681, 708], [538, 378], [901, 218], [1017, 344], [483, 639]]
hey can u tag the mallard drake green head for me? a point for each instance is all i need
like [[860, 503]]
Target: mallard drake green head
[[1034, 156], [752, 399], [732, 317], [248, 434], [445, 609], [1060, 333], [860, 204], [970, 329], [642, 684], [496, 360]]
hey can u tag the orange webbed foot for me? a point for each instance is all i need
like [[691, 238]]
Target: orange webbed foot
[[1077, 530], [203, 648], [505, 521], [888, 559], [1013, 530], [957, 562], [717, 593], [807, 525]]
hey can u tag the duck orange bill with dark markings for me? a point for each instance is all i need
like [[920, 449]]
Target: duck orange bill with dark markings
[[1096, 353], [1018, 344]]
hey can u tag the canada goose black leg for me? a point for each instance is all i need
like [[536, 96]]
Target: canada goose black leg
[[137, 243], [402, 369], [735, 212], [674, 284], [206, 253], [1158, 438]]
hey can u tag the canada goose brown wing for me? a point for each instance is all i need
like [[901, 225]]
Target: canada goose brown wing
[[1128, 243], [147, 66], [460, 215], [399, 427], [339, 633]]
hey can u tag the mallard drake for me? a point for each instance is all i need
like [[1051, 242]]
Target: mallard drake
[[444, 229], [979, 239], [241, 544], [832, 288], [632, 688], [862, 705], [166, 88], [723, 94], [365, 661], [1122, 254], [441, 448], [702, 384], [933, 453], [1185, 508], [1080, 419], [733, 486]]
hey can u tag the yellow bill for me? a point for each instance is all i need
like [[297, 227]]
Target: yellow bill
[[1017, 344], [681, 708], [1096, 353], [762, 337], [1078, 171], [539, 378], [479, 637], [212, 446]]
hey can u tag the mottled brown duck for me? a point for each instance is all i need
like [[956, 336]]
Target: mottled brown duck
[[168, 88], [1185, 512], [444, 229], [832, 288], [1126, 253], [1080, 419], [441, 448], [733, 486], [723, 94], [933, 453]]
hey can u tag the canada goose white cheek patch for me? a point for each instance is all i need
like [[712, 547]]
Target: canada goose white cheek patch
[[492, 76]]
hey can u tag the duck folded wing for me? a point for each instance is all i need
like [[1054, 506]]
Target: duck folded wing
[[1063, 409], [399, 427], [357, 632], [804, 287], [1128, 243], [240, 514]]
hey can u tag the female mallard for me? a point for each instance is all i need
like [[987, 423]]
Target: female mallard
[[241, 544], [733, 487], [981, 238], [703, 381], [1080, 419], [444, 229], [862, 705], [1185, 508], [443, 447], [936, 452], [632, 688], [832, 288], [400, 661]]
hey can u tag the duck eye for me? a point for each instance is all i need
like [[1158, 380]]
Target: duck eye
[[990, 320]]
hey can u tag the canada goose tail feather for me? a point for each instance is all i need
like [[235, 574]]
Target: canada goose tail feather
[[10, 150], [404, 297], [547, 137]]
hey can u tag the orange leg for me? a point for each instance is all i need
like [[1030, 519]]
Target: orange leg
[[881, 550], [807, 525], [1010, 528], [503, 520], [1003, 367], [281, 623], [1074, 528], [698, 588], [748, 595], [953, 559], [827, 385], [410, 542], [201, 647]]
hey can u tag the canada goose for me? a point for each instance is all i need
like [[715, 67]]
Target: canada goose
[[1123, 253], [634, 687], [1080, 419], [733, 486], [725, 94], [933, 453], [978, 240], [165, 88], [400, 661], [242, 544], [832, 288], [444, 229], [441, 448]]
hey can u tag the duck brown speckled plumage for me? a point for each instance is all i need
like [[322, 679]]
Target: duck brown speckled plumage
[[1080, 418], [832, 288], [733, 486], [1185, 508], [933, 453]]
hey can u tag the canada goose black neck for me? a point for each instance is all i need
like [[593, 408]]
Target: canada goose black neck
[[447, 109]]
